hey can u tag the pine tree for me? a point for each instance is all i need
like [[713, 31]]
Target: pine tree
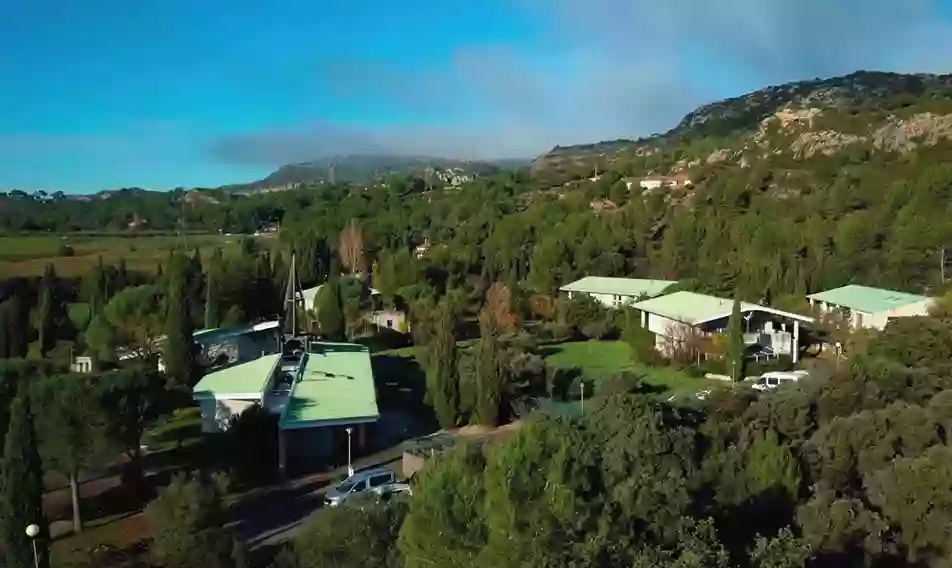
[[442, 377], [179, 354], [735, 343], [212, 288], [21, 488], [330, 307]]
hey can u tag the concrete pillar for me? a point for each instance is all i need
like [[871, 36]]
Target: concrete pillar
[[794, 347], [282, 453], [644, 320], [362, 436]]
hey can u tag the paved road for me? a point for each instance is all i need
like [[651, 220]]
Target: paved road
[[273, 516]]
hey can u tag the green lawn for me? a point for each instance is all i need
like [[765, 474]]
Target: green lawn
[[598, 360]]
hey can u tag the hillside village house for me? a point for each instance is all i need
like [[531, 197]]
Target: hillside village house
[[616, 292], [870, 308], [676, 317], [655, 182]]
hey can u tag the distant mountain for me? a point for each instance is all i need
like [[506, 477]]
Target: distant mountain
[[865, 110], [365, 168]]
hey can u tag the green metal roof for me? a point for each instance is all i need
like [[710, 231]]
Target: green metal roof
[[692, 308], [336, 387], [244, 380], [634, 287], [866, 299]]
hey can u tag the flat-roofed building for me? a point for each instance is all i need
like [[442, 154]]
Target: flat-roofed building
[[617, 292], [868, 307]]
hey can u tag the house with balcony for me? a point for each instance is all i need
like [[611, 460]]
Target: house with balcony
[[868, 307], [687, 316]]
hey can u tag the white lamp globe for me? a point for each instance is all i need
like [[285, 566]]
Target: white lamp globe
[[32, 531]]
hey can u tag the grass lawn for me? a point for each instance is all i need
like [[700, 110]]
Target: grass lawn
[[598, 360], [28, 255]]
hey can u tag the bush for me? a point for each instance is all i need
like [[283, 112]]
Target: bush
[[65, 250], [187, 519]]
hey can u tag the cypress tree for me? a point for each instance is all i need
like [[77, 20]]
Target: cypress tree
[[442, 377], [735, 343], [179, 354], [330, 307], [21, 487], [489, 371], [49, 312]]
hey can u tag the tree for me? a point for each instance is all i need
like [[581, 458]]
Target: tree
[[101, 340], [330, 309], [136, 315], [51, 312], [179, 352], [360, 534], [21, 487], [735, 342], [188, 521], [499, 302], [212, 301], [132, 398], [442, 372], [489, 371], [640, 341], [352, 247], [71, 428]]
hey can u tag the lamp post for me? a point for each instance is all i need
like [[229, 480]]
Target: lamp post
[[350, 466], [32, 531]]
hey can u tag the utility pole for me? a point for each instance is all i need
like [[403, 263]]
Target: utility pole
[[942, 264]]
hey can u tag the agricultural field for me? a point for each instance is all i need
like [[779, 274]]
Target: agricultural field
[[73, 255]]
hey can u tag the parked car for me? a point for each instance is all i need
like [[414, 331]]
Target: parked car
[[363, 481], [774, 379], [385, 492]]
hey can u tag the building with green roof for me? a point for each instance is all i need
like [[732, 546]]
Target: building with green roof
[[868, 307], [684, 318], [227, 392], [617, 292], [323, 397]]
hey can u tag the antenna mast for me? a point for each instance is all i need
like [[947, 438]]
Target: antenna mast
[[293, 297]]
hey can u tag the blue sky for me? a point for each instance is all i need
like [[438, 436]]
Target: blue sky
[[164, 93]]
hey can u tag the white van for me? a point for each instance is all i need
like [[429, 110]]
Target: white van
[[774, 379]]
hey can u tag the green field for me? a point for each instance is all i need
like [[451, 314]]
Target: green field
[[599, 360], [73, 255]]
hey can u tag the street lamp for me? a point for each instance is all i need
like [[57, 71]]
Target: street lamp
[[32, 531], [350, 467]]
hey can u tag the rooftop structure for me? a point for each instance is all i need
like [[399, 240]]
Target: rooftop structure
[[870, 307], [335, 387], [866, 299], [615, 292], [693, 309], [243, 381]]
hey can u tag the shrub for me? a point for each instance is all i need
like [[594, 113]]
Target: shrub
[[65, 250], [187, 520]]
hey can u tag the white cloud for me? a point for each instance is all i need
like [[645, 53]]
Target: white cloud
[[612, 68]]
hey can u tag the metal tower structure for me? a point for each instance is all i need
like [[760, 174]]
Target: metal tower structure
[[293, 300]]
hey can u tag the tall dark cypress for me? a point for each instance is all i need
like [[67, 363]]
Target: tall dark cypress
[[48, 312], [442, 376], [21, 488], [330, 307], [178, 354]]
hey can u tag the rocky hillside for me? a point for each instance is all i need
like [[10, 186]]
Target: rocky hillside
[[865, 111], [365, 168]]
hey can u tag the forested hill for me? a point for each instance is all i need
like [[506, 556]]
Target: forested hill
[[369, 168], [794, 189]]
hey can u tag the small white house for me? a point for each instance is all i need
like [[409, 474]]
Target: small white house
[[870, 308], [616, 292]]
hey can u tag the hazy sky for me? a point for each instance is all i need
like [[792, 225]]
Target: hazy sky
[[161, 93]]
